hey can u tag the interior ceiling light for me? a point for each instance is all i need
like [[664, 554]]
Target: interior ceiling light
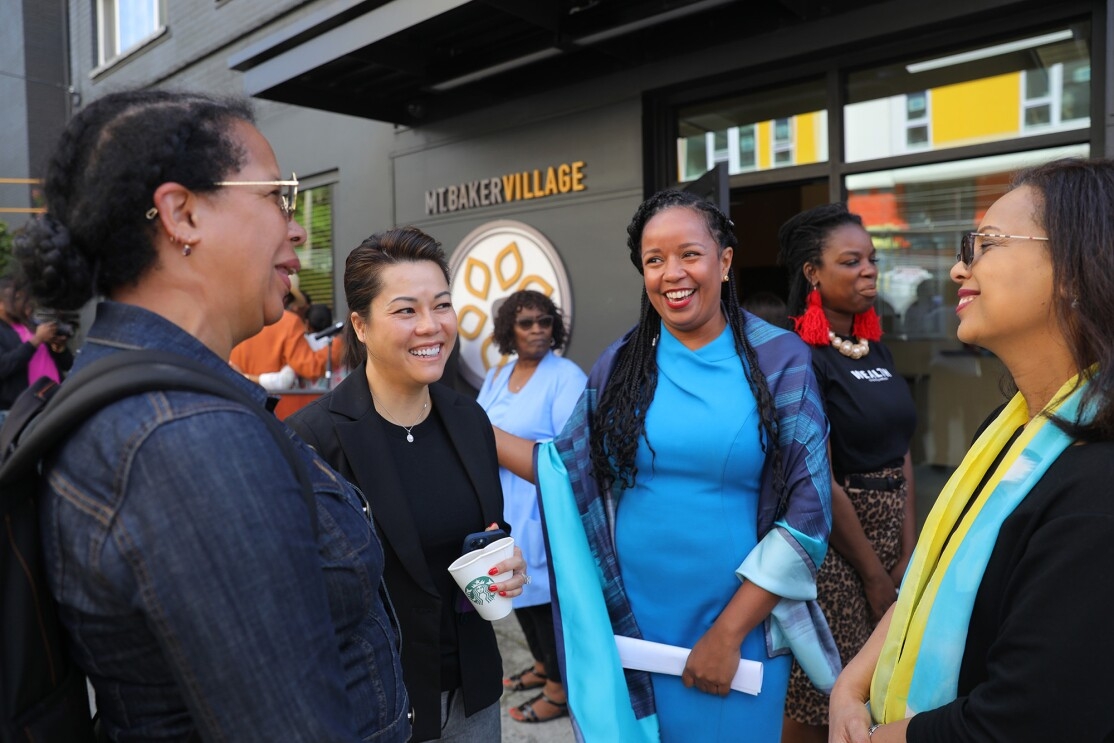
[[989, 51]]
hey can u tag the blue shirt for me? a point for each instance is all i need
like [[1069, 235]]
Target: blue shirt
[[537, 412], [189, 576]]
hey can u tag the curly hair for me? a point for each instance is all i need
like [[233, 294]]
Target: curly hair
[[503, 335], [801, 241], [620, 417], [101, 180], [363, 275], [1075, 209]]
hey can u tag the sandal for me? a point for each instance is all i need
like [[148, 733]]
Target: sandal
[[517, 682], [526, 712]]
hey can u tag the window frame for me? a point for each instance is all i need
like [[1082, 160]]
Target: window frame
[[660, 153], [107, 20]]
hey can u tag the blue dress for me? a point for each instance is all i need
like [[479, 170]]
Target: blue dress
[[688, 524]]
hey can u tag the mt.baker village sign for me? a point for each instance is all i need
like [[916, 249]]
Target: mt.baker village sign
[[535, 184]]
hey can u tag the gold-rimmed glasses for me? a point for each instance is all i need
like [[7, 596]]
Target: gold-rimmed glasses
[[288, 195], [967, 245]]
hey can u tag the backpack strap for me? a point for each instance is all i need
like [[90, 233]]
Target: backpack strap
[[115, 377]]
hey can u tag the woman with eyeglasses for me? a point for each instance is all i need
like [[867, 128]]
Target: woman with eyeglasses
[[425, 456], [833, 284], [532, 395], [1000, 630], [202, 599]]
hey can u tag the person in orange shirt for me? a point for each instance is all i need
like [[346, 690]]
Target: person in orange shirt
[[282, 345]]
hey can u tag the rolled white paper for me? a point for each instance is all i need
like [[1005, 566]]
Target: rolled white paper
[[656, 657]]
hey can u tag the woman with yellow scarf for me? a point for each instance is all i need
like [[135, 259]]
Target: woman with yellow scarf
[[999, 631]]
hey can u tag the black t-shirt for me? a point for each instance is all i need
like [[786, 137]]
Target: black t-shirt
[[445, 509], [869, 406]]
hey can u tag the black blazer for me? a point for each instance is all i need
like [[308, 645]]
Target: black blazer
[[341, 427]]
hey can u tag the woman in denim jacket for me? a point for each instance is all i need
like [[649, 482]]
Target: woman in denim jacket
[[200, 601]]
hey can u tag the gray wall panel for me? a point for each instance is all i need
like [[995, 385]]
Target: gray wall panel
[[588, 228]]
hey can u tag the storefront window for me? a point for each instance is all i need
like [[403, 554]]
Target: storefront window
[[315, 214], [756, 131], [917, 216], [1017, 88]]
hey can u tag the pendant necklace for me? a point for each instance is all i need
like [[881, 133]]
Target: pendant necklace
[[517, 389], [409, 435], [847, 348]]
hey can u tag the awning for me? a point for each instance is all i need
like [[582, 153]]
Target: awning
[[417, 61]]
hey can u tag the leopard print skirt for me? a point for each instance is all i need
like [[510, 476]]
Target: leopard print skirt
[[840, 591]]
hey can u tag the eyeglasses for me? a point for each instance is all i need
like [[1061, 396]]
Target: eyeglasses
[[544, 321], [288, 195], [966, 252]]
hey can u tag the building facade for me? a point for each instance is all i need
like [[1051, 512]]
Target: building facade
[[35, 90], [524, 135]]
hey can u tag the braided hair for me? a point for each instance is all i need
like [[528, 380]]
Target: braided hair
[[101, 180], [620, 417], [801, 241]]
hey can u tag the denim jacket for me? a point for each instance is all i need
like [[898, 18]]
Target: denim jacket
[[189, 578]]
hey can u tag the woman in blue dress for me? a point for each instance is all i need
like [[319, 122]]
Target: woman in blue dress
[[695, 467]]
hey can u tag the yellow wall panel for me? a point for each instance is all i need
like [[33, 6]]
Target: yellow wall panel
[[764, 144], [806, 139], [977, 110]]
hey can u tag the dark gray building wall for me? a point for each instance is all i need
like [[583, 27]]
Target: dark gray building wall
[[587, 228], [33, 88], [13, 112], [47, 91]]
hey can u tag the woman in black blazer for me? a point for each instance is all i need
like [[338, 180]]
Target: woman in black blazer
[[424, 456]]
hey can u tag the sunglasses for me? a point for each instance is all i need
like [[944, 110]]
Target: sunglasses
[[967, 246], [543, 321], [288, 194]]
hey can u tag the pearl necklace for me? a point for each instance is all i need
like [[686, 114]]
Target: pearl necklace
[[847, 348], [409, 435]]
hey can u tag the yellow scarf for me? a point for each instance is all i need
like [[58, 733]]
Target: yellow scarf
[[905, 680]]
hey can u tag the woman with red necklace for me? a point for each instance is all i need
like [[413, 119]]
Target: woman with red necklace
[[832, 288]]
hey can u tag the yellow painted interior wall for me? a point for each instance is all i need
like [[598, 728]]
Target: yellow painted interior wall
[[764, 136], [976, 110], [805, 147]]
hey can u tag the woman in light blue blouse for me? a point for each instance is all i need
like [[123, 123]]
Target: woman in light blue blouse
[[532, 395]]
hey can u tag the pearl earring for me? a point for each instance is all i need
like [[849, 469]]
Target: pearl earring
[[186, 249]]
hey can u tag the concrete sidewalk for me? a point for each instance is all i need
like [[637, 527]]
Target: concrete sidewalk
[[516, 656]]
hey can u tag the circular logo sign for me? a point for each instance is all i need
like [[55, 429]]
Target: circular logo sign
[[494, 261]]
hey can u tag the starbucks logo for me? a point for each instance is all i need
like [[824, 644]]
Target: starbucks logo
[[477, 590]]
